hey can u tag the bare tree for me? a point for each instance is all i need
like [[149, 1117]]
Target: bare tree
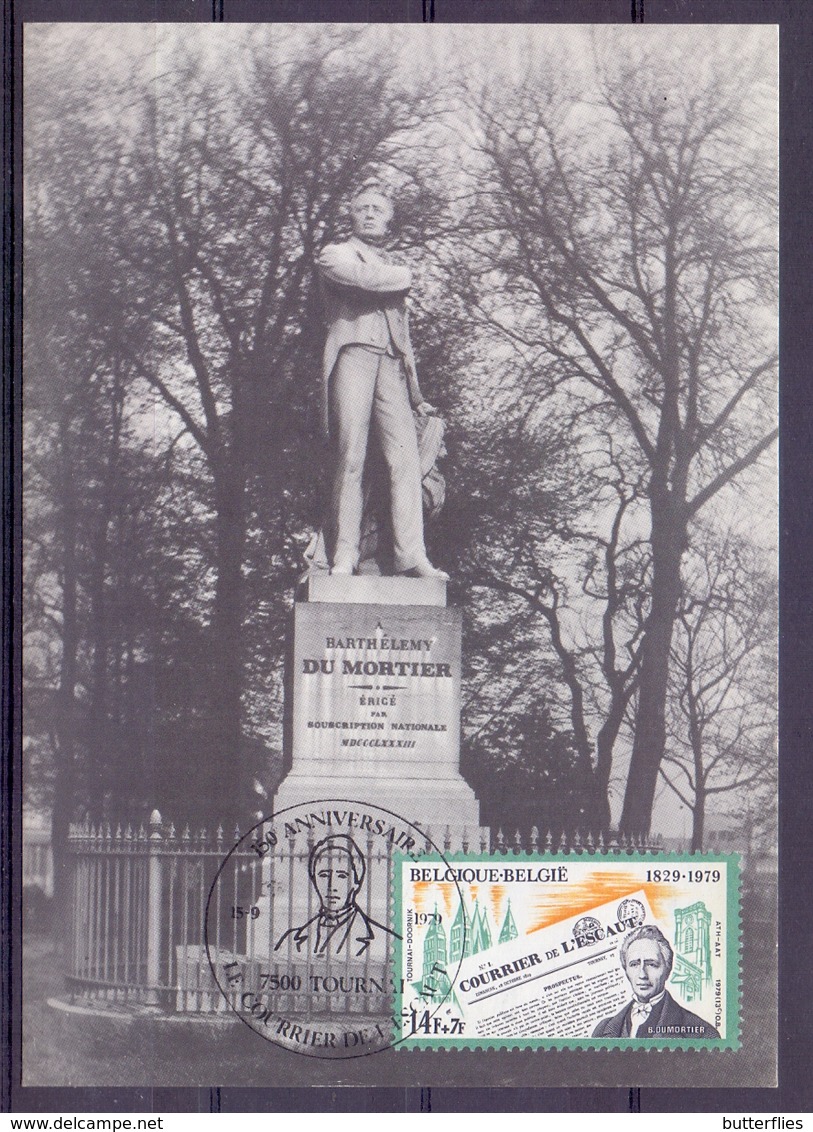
[[590, 613], [626, 245], [721, 717], [67, 386], [197, 285]]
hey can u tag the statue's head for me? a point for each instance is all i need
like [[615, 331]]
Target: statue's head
[[372, 209]]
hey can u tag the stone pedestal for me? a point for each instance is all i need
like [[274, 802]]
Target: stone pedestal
[[376, 702]]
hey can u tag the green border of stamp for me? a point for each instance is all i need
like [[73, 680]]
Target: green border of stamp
[[733, 878]]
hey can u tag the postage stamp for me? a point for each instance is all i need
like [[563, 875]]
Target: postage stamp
[[568, 951]]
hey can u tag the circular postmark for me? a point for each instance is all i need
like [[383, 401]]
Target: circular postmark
[[304, 932], [631, 912], [587, 930]]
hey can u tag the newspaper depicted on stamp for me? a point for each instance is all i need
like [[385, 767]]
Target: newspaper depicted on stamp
[[400, 597], [568, 951]]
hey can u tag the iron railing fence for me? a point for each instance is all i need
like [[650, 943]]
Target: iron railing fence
[[139, 904]]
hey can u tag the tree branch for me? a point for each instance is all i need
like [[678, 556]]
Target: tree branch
[[734, 469]]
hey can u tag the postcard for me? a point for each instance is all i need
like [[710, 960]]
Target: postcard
[[400, 554]]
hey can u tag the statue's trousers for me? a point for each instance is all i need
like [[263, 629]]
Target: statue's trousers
[[368, 392]]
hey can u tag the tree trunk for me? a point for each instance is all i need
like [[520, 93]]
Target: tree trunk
[[668, 541], [699, 820], [66, 729], [101, 767], [225, 684], [600, 807], [98, 761], [605, 744]]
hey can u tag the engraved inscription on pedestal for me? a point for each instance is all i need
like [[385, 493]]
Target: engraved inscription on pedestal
[[376, 711]]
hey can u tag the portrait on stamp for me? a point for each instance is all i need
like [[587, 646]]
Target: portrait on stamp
[[647, 958]]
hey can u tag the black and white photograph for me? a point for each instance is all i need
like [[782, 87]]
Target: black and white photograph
[[400, 426]]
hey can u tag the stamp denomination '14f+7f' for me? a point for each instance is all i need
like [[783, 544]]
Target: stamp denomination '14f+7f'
[[568, 951]]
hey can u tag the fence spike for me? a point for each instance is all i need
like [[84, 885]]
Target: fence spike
[[128, 833], [590, 842], [464, 841], [500, 840], [518, 841], [171, 831], [142, 833], [219, 832], [548, 841], [237, 833], [563, 842], [534, 838], [485, 839], [577, 840], [447, 839], [186, 835]]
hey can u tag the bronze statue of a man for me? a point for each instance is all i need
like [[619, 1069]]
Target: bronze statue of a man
[[370, 385]]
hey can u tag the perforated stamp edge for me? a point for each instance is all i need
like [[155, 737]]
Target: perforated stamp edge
[[627, 1048]]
